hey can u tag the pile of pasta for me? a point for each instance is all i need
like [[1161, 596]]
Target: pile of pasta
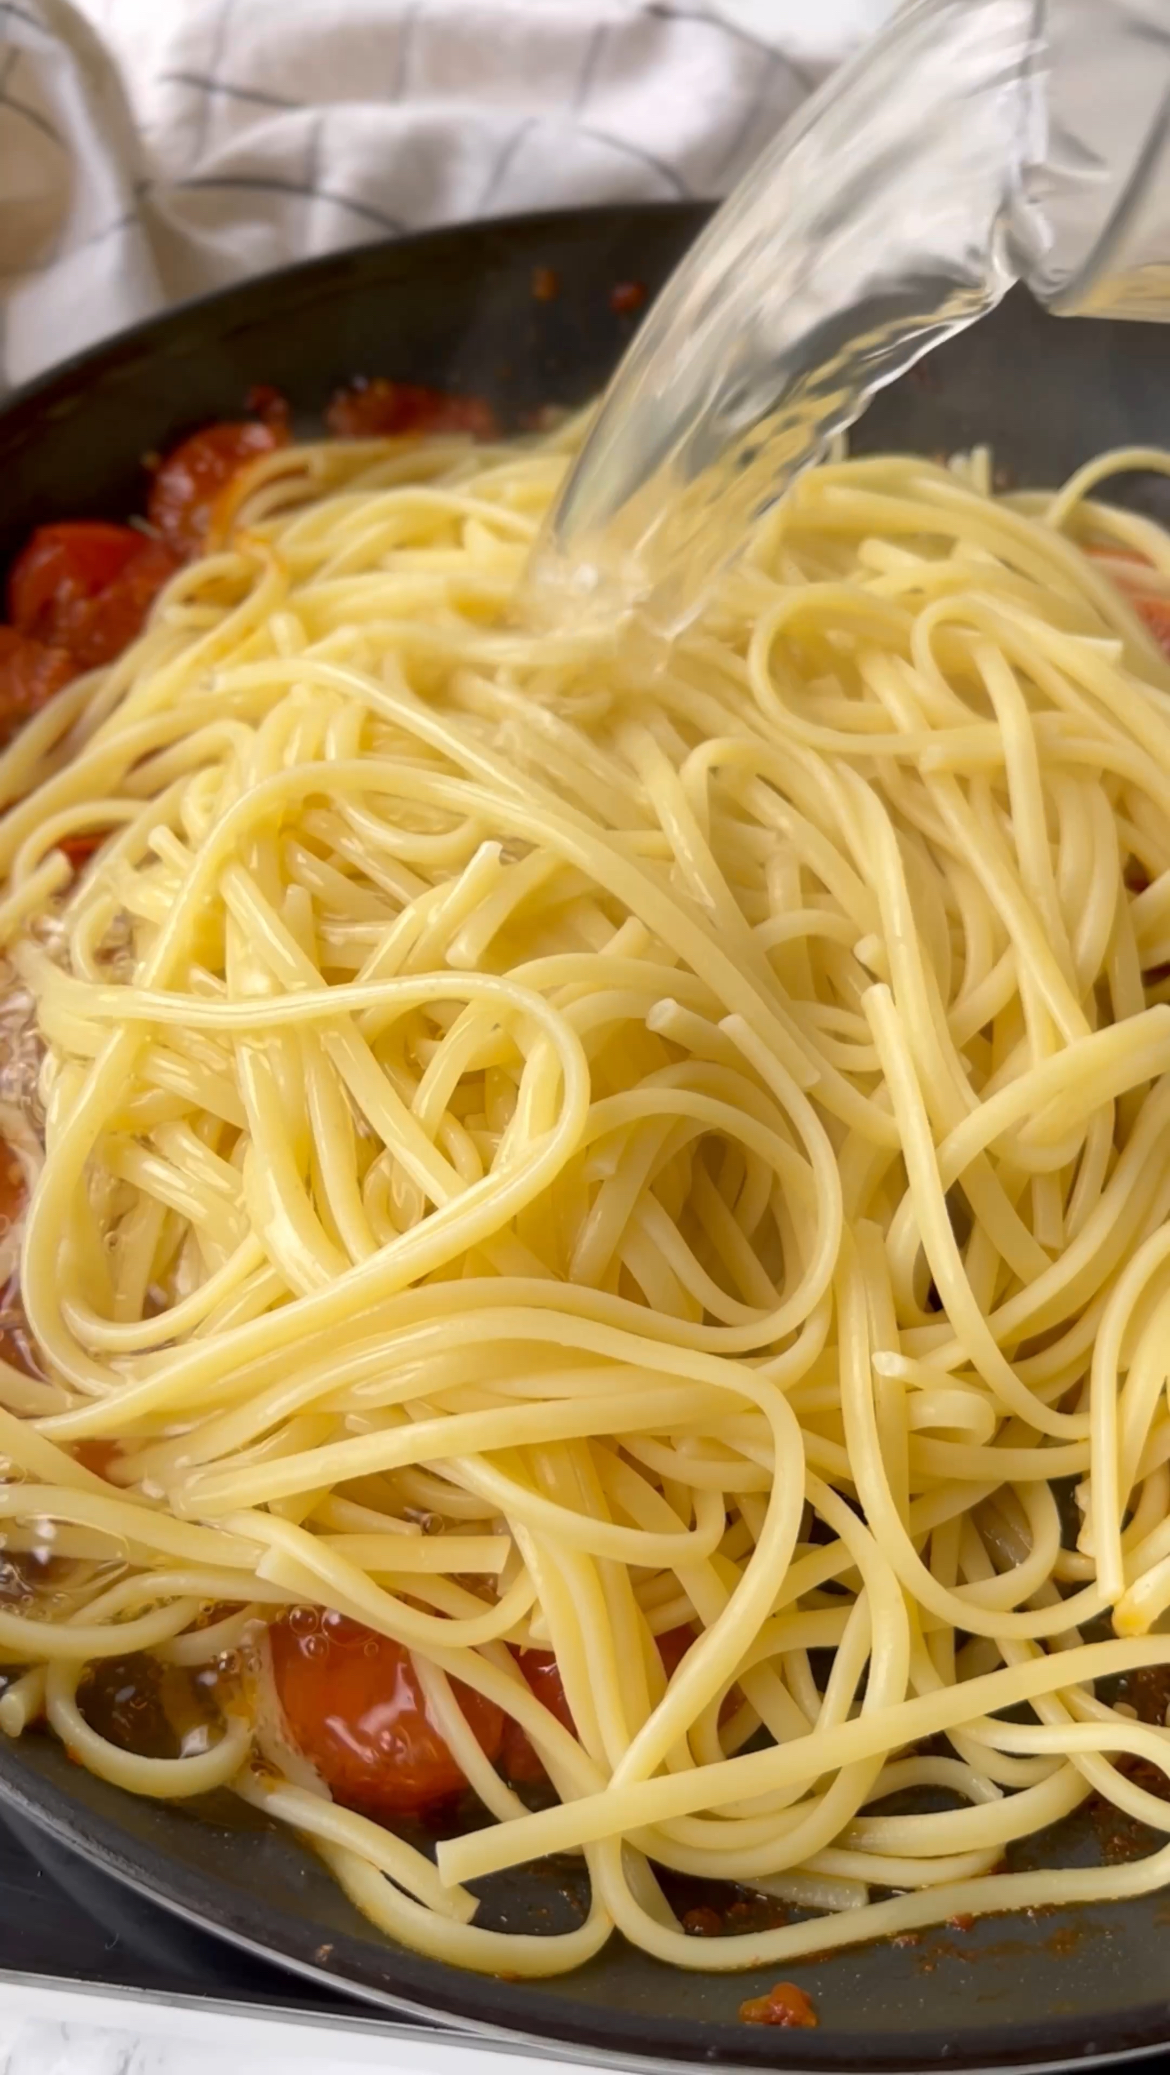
[[538, 1139]]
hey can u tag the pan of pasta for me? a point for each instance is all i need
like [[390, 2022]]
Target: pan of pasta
[[585, 1227]]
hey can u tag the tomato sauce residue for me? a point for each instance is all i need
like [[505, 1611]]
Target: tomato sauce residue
[[380, 409], [784, 2005], [627, 297], [702, 1922]]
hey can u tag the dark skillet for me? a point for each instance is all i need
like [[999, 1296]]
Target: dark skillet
[[457, 310]]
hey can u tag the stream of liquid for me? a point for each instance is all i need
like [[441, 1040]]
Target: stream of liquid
[[975, 144]]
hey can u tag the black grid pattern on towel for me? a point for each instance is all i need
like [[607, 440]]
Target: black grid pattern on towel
[[217, 82]]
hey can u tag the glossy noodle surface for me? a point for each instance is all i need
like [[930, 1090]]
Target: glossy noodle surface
[[589, 1227]]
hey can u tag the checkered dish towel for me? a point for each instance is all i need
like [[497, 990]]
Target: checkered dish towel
[[151, 150]]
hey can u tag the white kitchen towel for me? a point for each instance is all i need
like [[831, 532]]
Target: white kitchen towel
[[151, 150]]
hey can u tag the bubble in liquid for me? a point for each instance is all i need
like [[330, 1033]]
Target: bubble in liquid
[[370, 1647], [228, 1662], [304, 1621], [315, 1645]]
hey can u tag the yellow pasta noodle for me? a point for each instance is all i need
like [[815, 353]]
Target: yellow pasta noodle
[[660, 1160]]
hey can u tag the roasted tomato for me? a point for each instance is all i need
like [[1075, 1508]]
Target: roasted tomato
[[30, 673], [381, 409], [194, 476], [86, 587], [519, 1760], [354, 1708]]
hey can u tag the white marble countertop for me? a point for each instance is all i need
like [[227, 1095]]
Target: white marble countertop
[[60, 2029]]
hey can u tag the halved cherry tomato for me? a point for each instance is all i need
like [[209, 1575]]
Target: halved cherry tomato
[[353, 1706], [86, 587], [190, 479], [381, 409], [519, 1760], [30, 674]]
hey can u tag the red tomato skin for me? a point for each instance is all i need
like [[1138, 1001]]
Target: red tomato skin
[[79, 849], [192, 477], [98, 1456], [87, 588], [673, 1645], [30, 675], [519, 1761], [1128, 570], [265, 402], [83, 556], [382, 410], [543, 1674], [1156, 614], [354, 1708]]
